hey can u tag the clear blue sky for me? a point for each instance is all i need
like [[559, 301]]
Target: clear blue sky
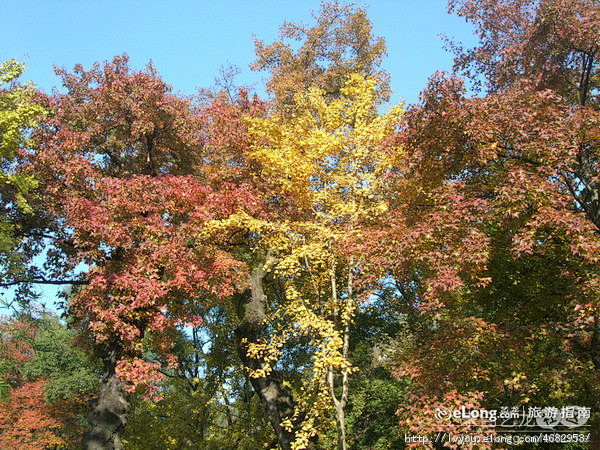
[[189, 39]]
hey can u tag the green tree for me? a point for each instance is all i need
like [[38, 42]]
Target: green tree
[[206, 401], [48, 382], [19, 113], [69, 371]]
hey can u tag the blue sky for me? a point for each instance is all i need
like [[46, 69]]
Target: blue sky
[[189, 40]]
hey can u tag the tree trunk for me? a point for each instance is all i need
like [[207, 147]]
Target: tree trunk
[[109, 412], [339, 404], [276, 397], [340, 418]]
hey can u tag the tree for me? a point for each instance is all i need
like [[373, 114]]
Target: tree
[[499, 191], [207, 401], [119, 160], [237, 264], [552, 147], [48, 383], [552, 43], [28, 422], [19, 113], [340, 44], [309, 172], [321, 160], [374, 394], [60, 359]]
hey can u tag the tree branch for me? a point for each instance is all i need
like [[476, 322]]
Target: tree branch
[[44, 281]]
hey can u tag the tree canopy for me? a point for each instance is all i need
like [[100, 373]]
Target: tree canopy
[[313, 269]]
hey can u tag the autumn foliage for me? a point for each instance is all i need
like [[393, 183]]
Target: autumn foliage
[[28, 419], [274, 263]]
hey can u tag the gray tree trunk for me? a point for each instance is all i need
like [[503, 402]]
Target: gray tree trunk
[[275, 396], [108, 416]]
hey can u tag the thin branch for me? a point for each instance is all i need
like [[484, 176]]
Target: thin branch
[[44, 281]]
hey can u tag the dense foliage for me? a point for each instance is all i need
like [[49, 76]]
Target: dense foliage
[[316, 269]]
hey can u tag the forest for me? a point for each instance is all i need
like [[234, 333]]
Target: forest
[[313, 268]]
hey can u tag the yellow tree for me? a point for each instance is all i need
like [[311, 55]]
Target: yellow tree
[[309, 66], [325, 162]]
